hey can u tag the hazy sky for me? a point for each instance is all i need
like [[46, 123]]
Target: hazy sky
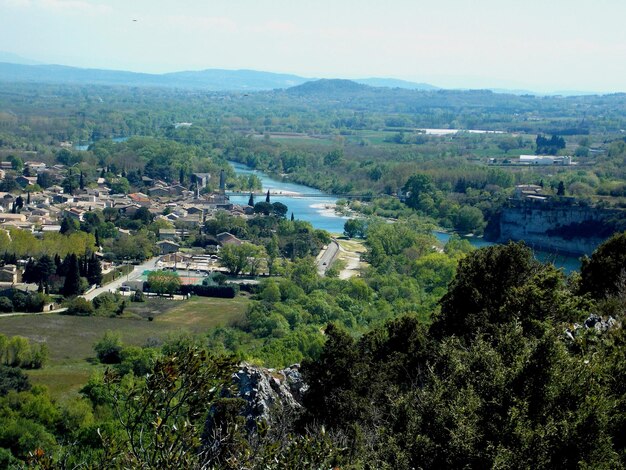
[[540, 45]]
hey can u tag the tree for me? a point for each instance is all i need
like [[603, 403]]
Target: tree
[[469, 220], [12, 378], [416, 186], [163, 282], [16, 163], [267, 196], [120, 186], [279, 209], [69, 225], [109, 348], [72, 284], [45, 268], [604, 274], [561, 189], [238, 258], [144, 215], [264, 208], [251, 200], [355, 228], [501, 275], [94, 270], [333, 157], [549, 146], [44, 180], [31, 274], [6, 305], [163, 418]]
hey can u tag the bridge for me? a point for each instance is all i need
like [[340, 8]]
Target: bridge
[[301, 195]]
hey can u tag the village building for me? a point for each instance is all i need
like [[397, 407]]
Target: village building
[[168, 246]]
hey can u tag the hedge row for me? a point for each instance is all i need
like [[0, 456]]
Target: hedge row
[[225, 292]]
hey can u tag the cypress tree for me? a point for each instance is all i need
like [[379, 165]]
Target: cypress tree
[[45, 267], [82, 266], [267, 197], [251, 200], [82, 181], [30, 272], [94, 270], [71, 286], [67, 226], [292, 217]]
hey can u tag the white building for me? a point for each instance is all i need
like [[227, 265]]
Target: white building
[[545, 160]]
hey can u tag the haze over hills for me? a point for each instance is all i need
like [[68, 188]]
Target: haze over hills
[[15, 68], [210, 79]]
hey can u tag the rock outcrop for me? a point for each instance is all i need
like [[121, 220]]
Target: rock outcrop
[[262, 389]]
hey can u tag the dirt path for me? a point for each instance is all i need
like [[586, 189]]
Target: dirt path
[[350, 252]]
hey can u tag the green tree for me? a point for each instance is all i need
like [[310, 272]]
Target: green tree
[[469, 220], [109, 348], [164, 282], [604, 274], [72, 284], [355, 228], [94, 270], [239, 258], [163, 417], [501, 284], [417, 187]]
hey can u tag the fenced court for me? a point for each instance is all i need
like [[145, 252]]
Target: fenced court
[[187, 278]]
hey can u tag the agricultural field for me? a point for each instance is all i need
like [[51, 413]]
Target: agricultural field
[[70, 339]]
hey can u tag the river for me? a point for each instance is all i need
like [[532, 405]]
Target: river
[[82, 146], [313, 209]]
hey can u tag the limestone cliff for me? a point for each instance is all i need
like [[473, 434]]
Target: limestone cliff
[[565, 228]]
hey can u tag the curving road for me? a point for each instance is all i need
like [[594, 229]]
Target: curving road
[[116, 284], [326, 257]]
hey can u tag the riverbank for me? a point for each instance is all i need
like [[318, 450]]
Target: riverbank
[[307, 204], [318, 209]]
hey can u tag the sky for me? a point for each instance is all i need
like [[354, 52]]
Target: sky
[[545, 46]]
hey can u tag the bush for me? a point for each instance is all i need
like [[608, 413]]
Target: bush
[[224, 292], [138, 296], [6, 305], [108, 304], [79, 306], [13, 378], [109, 349]]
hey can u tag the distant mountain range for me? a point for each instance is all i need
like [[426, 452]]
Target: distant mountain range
[[210, 79], [19, 69]]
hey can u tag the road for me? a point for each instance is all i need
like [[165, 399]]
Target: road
[[326, 257], [136, 273], [22, 314]]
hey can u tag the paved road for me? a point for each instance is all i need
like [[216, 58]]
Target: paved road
[[21, 314], [326, 257], [136, 273]]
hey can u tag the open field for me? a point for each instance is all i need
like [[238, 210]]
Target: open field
[[70, 339]]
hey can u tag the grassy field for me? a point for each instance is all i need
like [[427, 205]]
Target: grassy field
[[71, 339]]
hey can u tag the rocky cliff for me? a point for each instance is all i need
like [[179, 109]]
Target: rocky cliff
[[263, 388], [570, 229], [260, 394]]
